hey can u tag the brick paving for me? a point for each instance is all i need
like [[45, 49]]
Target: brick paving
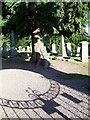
[[54, 99]]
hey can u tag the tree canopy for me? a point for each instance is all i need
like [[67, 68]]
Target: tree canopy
[[24, 17]]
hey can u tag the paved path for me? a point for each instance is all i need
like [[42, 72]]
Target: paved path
[[36, 93]]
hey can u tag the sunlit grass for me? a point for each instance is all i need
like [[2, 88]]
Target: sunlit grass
[[76, 76], [77, 60]]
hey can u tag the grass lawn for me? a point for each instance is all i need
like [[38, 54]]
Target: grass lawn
[[78, 61], [75, 76]]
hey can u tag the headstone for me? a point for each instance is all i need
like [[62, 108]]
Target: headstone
[[4, 50], [84, 51], [20, 48], [23, 49], [68, 49], [13, 51], [78, 51], [28, 49], [54, 49], [64, 54]]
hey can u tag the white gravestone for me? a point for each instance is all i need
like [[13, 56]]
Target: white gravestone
[[64, 54], [78, 51], [28, 49], [23, 50], [54, 48], [84, 51], [20, 48], [68, 49]]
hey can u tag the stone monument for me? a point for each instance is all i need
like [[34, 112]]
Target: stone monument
[[23, 49], [28, 49], [64, 54], [4, 50], [20, 48], [78, 51], [13, 52], [84, 51], [54, 49], [39, 51], [68, 49]]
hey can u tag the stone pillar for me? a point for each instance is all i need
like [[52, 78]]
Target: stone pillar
[[68, 49], [54, 49], [13, 51], [64, 54], [84, 51]]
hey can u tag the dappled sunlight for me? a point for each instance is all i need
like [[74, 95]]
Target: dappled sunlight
[[35, 92]]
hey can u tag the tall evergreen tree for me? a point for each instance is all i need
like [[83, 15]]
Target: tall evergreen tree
[[25, 17]]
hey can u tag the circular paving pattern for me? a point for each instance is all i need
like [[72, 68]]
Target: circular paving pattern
[[25, 89]]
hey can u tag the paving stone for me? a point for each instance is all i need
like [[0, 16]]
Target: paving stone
[[56, 115], [42, 113], [21, 114], [48, 98], [67, 105], [32, 113], [2, 113], [10, 112]]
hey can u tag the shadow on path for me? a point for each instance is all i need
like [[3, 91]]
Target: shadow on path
[[78, 82], [57, 101]]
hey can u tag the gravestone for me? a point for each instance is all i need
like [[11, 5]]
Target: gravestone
[[20, 48], [78, 51], [13, 51], [64, 54], [23, 49], [54, 49], [68, 49], [84, 51], [28, 49], [4, 50]]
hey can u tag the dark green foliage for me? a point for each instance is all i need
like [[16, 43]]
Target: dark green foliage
[[24, 17], [75, 40], [6, 40], [52, 38], [24, 42], [68, 18]]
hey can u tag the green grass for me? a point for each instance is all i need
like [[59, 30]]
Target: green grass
[[78, 61], [52, 57], [75, 76]]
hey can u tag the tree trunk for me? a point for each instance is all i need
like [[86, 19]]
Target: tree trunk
[[39, 53]]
